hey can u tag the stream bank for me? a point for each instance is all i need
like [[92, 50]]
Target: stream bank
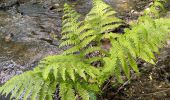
[[30, 30]]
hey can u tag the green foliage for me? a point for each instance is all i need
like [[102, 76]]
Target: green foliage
[[74, 72], [156, 8], [29, 84]]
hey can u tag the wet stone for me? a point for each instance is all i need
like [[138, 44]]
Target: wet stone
[[26, 36], [7, 3]]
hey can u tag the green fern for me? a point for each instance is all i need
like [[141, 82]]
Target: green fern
[[74, 72], [29, 85], [141, 41], [156, 8]]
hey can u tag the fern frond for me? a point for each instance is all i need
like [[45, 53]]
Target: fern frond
[[68, 43], [87, 40], [132, 63], [109, 27], [110, 20], [156, 7], [70, 95], [72, 50], [71, 65], [87, 34], [70, 25], [121, 55], [101, 19], [93, 59], [118, 74], [27, 85], [83, 92], [91, 50], [63, 90]]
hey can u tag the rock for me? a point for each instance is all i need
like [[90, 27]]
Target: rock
[[26, 39], [28, 8], [4, 18], [7, 3], [121, 5]]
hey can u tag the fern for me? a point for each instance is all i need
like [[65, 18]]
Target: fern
[[67, 66], [74, 70], [139, 42], [156, 8], [29, 84]]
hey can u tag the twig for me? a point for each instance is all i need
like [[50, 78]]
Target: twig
[[120, 88], [157, 92], [126, 83], [106, 85]]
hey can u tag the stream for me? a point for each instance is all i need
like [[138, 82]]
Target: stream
[[30, 30]]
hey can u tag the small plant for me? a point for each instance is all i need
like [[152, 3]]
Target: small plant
[[87, 63], [156, 8]]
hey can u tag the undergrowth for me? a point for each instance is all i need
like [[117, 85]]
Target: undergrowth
[[94, 54]]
